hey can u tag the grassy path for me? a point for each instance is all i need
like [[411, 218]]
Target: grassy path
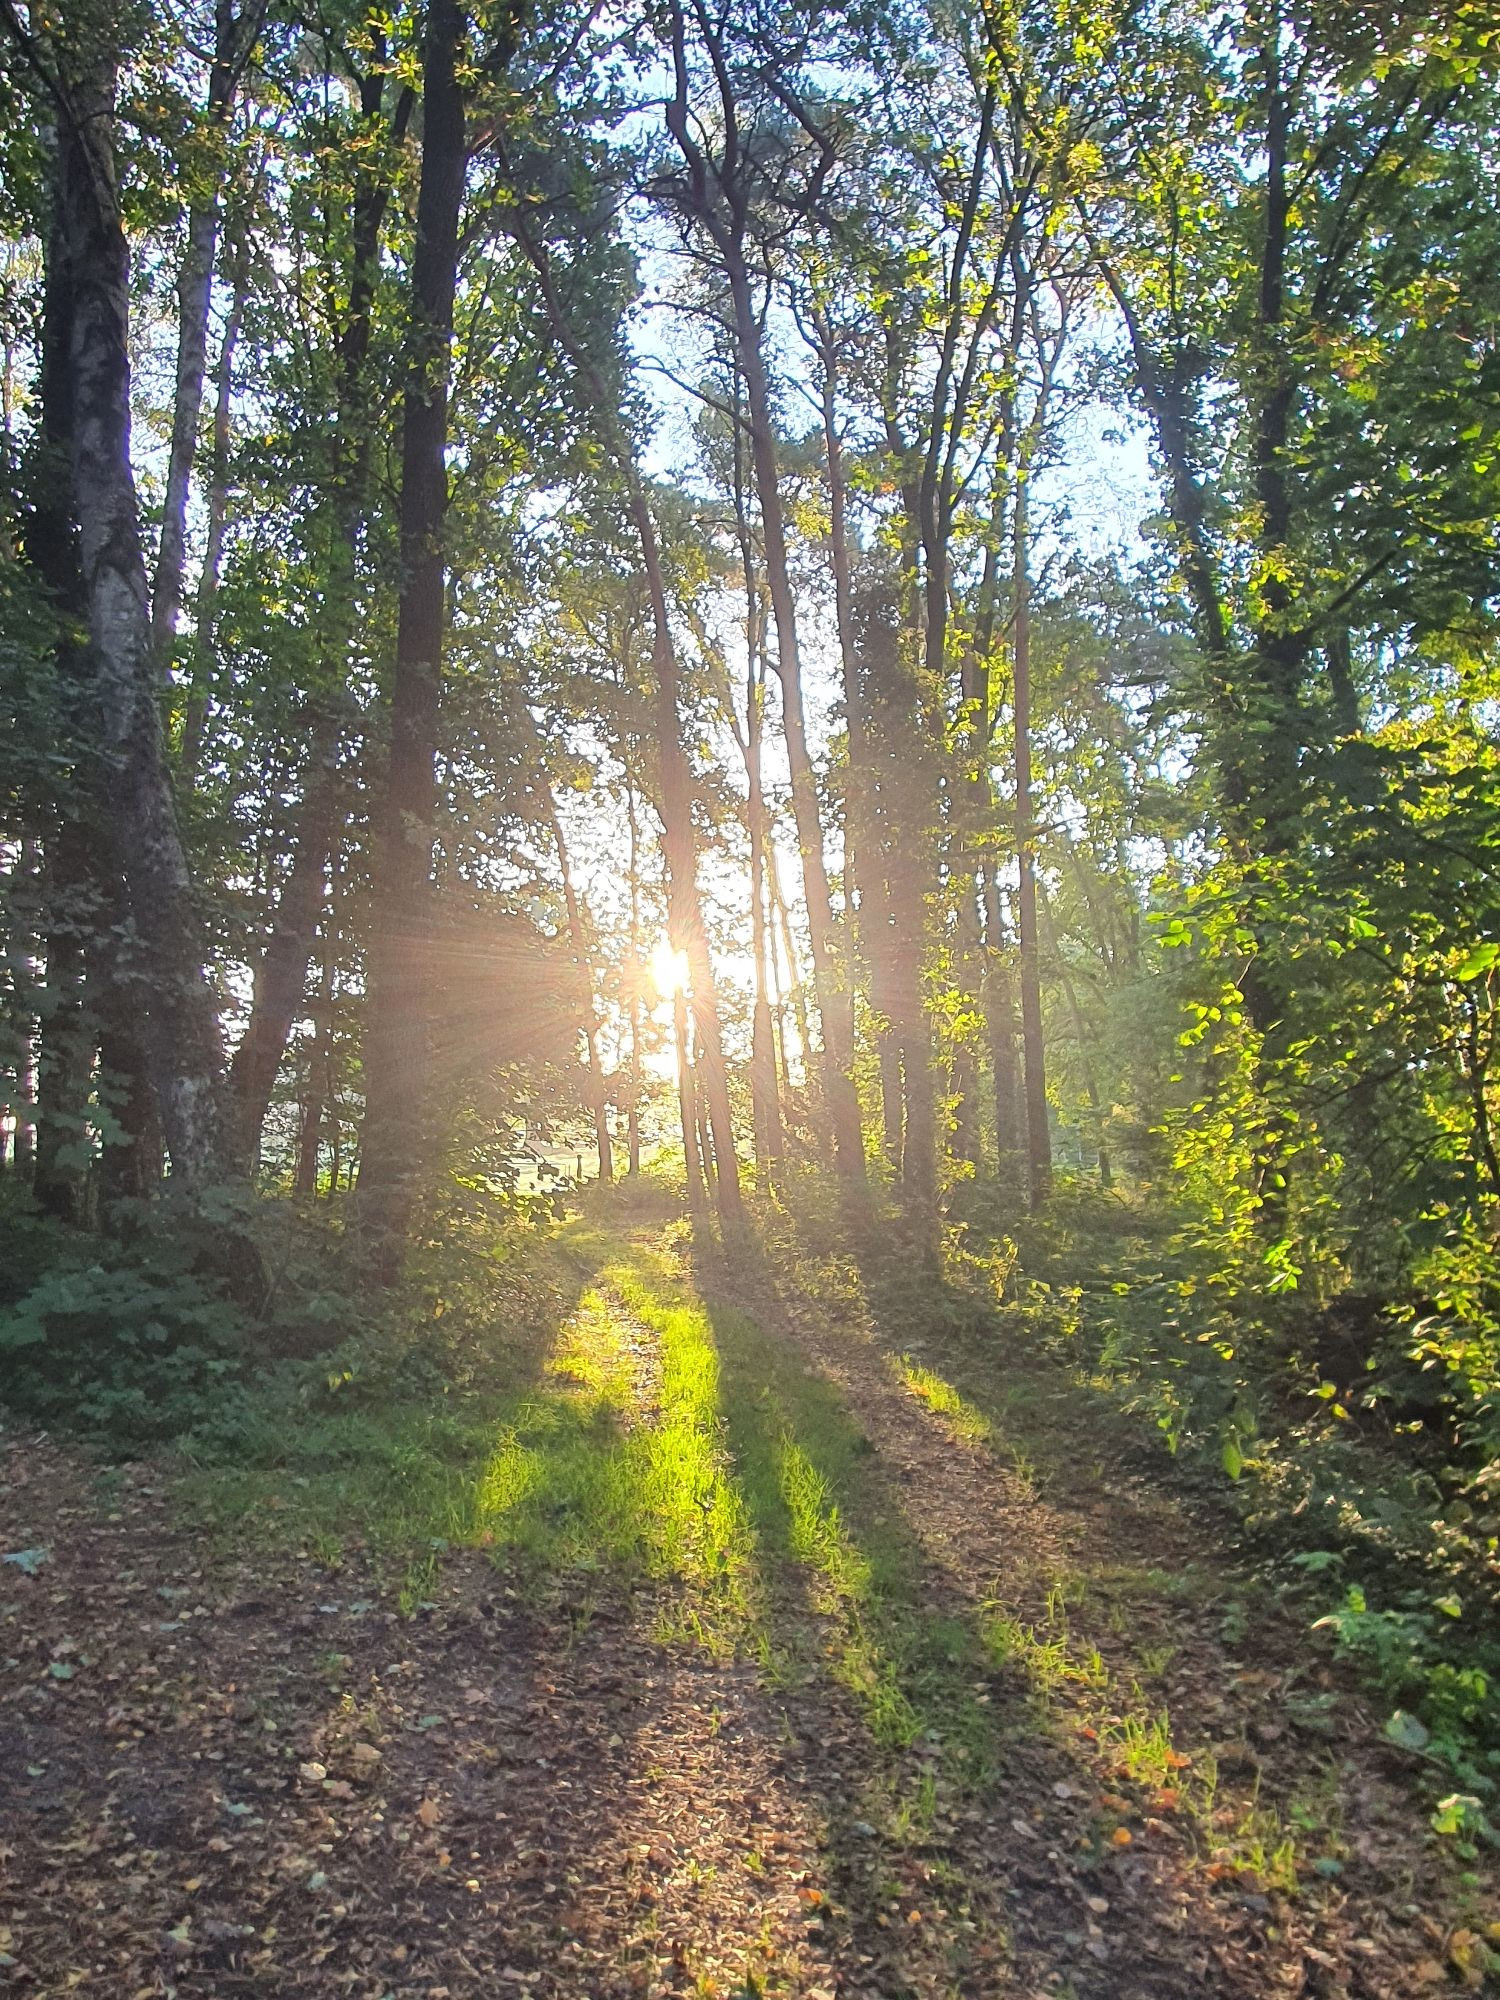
[[715, 1648]]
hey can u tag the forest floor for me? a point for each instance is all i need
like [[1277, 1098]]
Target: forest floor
[[750, 1657]]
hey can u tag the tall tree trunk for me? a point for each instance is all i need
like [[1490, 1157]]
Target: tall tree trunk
[[868, 922], [998, 997], [281, 975], [184, 1050], [68, 912], [687, 1099], [779, 1003], [22, 942], [1000, 1022], [830, 980], [685, 927], [579, 941], [1038, 1134], [903, 819], [764, 1097], [195, 708], [633, 1115], [319, 1089], [397, 1025], [194, 293], [796, 990]]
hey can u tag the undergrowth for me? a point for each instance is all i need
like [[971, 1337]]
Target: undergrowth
[[1357, 1481]]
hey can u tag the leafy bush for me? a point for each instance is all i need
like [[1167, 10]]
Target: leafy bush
[[139, 1348]]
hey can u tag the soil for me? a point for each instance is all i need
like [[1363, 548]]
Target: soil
[[226, 1771]]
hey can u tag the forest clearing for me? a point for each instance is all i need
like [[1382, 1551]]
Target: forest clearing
[[749, 998]]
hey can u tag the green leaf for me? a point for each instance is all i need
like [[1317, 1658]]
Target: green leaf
[[1232, 1457], [1405, 1730], [1481, 959]]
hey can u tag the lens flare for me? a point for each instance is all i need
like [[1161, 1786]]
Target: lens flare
[[669, 970]]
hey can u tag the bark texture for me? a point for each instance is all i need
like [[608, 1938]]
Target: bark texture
[[397, 1053], [184, 1053]]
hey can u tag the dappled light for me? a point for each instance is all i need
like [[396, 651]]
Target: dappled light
[[749, 1001]]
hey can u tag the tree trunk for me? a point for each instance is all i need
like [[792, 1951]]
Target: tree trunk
[[67, 913], [396, 1033], [687, 1099], [281, 976], [867, 893], [194, 292], [1038, 1134], [685, 928], [765, 1099], [902, 801], [184, 1049], [633, 1115], [578, 939], [1000, 1023], [830, 982], [796, 991], [319, 1090], [195, 709]]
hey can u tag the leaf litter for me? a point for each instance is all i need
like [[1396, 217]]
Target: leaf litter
[[287, 1788]]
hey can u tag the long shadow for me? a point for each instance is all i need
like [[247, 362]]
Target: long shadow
[[1026, 1823]]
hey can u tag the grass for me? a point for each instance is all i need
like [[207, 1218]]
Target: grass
[[548, 1458], [644, 1437], [967, 1423], [817, 1500]]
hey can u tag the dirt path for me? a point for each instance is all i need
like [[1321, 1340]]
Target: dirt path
[[238, 1771], [1289, 1751]]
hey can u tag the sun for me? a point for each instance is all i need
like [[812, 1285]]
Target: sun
[[669, 970]]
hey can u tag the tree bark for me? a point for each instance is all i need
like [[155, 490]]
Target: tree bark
[[68, 912], [194, 292], [685, 927], [196, 707], [578, 939], [281, 975], [1038, 1135], [397, 1023], [902, 821], [830, 981], [765, 1099], [633, 1114], [716, 198], [319, 1091], [184, 1049]]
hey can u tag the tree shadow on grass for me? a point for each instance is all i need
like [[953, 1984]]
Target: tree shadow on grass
[[980, 1766]]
